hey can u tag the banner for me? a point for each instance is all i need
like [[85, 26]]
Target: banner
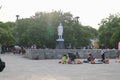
[[119, 46]]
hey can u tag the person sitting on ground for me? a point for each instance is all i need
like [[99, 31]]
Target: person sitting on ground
[[90, 57], [64, 59], [73, 57], [77, 60]]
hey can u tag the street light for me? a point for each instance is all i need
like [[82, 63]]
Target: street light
[[77, 17], [17, 16]]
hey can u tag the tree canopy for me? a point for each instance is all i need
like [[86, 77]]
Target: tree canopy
[[41, 30], [6, 36], [109, 31]]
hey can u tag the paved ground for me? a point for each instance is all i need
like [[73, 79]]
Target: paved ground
[[19, 68]]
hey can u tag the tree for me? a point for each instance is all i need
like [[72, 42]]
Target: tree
[[107, 28], [115, 39], [41, 30], [6, 37]]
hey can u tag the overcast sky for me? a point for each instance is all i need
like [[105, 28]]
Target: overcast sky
[[91, 12]]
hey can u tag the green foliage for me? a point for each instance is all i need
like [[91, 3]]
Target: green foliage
[[41, 30], [107, 31], [115, 39], [6, 36]]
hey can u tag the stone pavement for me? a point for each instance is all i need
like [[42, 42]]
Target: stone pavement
[[19, 68]]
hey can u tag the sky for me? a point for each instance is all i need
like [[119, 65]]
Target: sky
[[91, 12]]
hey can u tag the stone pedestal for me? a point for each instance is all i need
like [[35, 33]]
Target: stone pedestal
[[60, 44]]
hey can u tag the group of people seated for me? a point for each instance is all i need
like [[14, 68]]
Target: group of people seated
[[91, 59], [70, 58]]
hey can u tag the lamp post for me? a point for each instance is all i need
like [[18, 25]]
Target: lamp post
[[17, 39], [17, 17], [77, 17]]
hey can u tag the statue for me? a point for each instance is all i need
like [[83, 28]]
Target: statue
[[60, 40], [60, 31]]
